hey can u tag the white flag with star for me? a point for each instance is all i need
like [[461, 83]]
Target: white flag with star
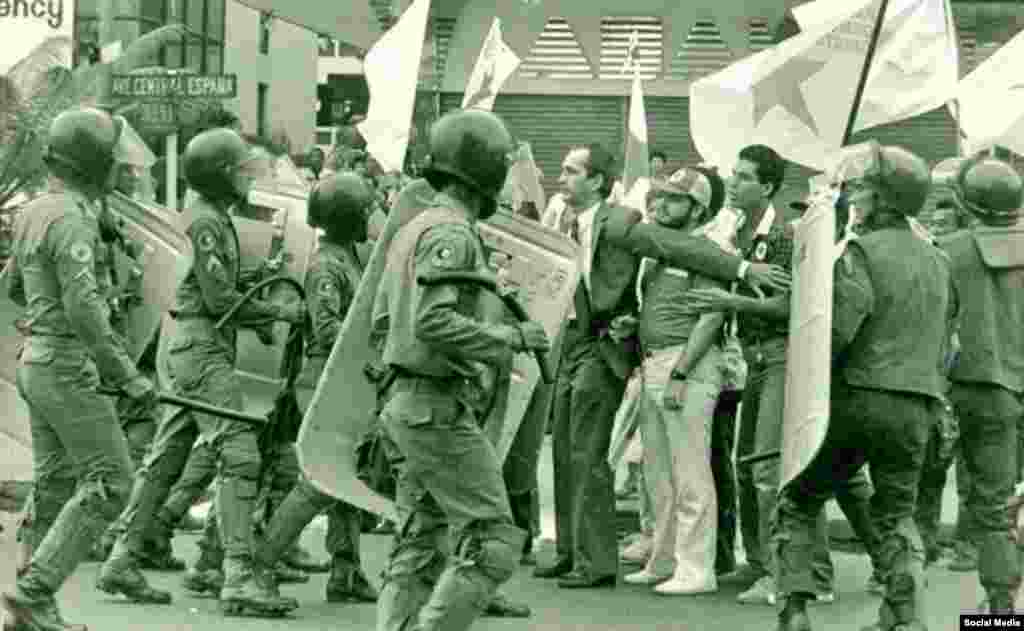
[[991, 100], [795, 97], [494, 66], [916, 64]]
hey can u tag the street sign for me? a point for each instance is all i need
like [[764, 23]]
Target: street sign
[[171, 86], [156, 116]]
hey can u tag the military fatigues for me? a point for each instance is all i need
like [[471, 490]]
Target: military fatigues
[[201, 359], [765, 343], [988, 379], [449, 478], [892, 291], [71, 346], [331, 283]]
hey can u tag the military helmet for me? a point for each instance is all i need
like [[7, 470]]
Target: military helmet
[[472, 146], [989, 188], [209, 160], [339, 205], [82, 143], [902, 178]]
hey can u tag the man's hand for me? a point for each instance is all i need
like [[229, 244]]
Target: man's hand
[[141, 392], [623, 328], [712, 299], [293, 312], [674, 392], [762, 275], [533, 337]]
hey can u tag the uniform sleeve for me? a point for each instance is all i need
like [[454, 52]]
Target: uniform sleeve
[[853, 298], [695, 253], [71, 244], [328, 295], [218, 288], [450, 248], [11, 275]]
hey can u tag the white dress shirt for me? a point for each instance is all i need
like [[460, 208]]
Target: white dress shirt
[[585, 223]]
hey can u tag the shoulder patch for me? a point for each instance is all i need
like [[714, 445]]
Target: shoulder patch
[[326, 287], [761, 250], [81, 251], [446, 248], [206, 240]]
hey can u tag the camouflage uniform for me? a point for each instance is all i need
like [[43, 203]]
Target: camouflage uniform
[[449, 478], [71, 346], [331, 282]]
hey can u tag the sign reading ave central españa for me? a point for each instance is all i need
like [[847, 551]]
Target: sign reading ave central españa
[[162, 86]]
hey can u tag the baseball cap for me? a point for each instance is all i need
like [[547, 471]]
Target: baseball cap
[[687, 181]]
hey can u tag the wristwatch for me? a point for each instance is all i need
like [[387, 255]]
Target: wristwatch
[[678, 376]]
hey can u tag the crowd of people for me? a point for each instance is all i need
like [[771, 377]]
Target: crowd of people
[[672, 357]]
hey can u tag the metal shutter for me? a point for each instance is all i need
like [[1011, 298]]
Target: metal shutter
[[553, 124]]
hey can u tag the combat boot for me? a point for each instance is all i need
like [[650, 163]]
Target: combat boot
[[285, 574], [24, 614], [120, 575], [246, 592], [298, 558], [793, 616], [158, 553], [205, 578], [347, 583]]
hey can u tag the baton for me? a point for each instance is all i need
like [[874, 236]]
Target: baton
[[195, 406], [755, 458], [490, 283]]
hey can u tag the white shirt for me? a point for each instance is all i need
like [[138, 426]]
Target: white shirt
[[585, 223]]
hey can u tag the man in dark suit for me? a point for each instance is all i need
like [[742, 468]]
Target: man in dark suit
[[599, 356]]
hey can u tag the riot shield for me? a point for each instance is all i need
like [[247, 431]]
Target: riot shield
[[808, 360], [543, 267], [15, 437], [343, 408]]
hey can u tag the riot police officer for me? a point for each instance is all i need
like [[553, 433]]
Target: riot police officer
[[218, 166], [988, 376], [339, 206], [71, 348], [449, 479], [888, 347]]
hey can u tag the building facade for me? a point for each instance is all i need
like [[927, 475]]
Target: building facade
[[275, 62], [570, 87]]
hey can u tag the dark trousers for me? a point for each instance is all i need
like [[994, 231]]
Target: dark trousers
[[520, 467], [723, 439], [587, 396], [889, 432], [988, 423]]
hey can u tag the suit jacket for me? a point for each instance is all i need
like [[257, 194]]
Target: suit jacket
[[619, 244], [612, 293]]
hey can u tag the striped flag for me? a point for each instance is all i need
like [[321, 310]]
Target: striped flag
[[636, 174], [494, 66]]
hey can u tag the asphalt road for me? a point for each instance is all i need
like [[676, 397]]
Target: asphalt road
[[626, 608]]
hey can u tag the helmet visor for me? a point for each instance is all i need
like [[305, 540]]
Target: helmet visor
[[131, 149]]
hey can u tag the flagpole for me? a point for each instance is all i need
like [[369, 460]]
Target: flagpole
[[865, 71]]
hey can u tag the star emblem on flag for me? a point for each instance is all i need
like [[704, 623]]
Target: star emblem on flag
[[782, 88], [486, 90]]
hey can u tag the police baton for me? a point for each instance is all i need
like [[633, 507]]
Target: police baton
[[759, 457], [490, 283], [195, 406]]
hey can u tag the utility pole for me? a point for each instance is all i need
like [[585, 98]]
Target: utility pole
[[109, 43]]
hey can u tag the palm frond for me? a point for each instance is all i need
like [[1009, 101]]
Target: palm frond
[[146, 47], [29, 73]]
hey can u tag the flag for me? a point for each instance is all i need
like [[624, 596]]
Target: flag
[[916, 62], [636, 174], [392, 68], [494, 66], [991, 101], [795, 97], [523, 181]]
